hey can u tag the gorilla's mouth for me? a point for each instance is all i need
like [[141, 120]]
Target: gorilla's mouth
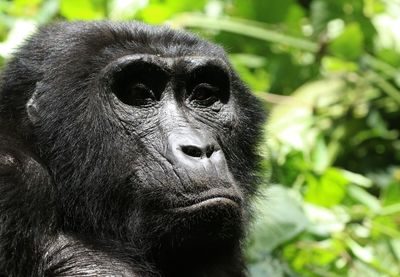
[[210, 202]]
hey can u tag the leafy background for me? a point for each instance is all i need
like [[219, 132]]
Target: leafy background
[[327, 71]]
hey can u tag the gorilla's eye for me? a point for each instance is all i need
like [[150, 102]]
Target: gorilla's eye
[[136, 94], [204, 94], [208, 84], [139, 94], [139, 83]]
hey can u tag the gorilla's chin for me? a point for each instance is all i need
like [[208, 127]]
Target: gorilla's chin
[[217, 219]]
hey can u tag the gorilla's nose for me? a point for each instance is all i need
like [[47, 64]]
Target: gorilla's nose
[[191, 148], [199, 157]]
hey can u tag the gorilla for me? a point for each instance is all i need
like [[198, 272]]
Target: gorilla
[[125, 150]]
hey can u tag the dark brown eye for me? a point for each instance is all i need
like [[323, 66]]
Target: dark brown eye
[[204, 94]]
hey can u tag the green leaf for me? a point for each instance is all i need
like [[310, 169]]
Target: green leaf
[[279, 218], [245, 28], [334, 65], [292, 122], [269, 266], [21, 29], [320, 156], [160, 11], [357, 179], [350, 44], [263, 11], [363, 253], [48, 11], [318, 255], [25, 8], [364, 197], [391, 194], [252, 70], [327, 190], [76, 9], [326, 221], [125, 9], [322, 11]]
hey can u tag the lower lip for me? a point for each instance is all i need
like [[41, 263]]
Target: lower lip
[[209, 203]]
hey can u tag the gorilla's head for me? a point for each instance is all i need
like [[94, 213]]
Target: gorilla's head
[[148, 132]]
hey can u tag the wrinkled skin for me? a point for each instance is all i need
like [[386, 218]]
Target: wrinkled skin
[[125, 150]]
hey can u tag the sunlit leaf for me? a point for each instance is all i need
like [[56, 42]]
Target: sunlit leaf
[[349, 45], [357, 179], [160, 11], [320, 156], [391, 194], [310, 254], [322, 12], [279, 218], [364, 197], [125, 9], [268, 266], [328, 189], [25, 8], [334, 64], [21, 29], [292, 122], [264, 11], [324, 221], [76, 9]]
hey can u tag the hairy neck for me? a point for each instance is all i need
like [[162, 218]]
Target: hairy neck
[[198, 259]]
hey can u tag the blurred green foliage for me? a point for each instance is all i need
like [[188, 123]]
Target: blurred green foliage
[[327, 71]]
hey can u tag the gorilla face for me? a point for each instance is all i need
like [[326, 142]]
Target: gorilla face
[[177, 109], [175, 112]]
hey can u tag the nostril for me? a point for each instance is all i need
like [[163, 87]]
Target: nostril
[[192, 151]]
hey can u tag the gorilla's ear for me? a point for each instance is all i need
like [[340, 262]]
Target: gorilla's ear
[[32, 107]]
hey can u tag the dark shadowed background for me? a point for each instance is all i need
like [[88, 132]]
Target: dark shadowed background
[[328, 73]]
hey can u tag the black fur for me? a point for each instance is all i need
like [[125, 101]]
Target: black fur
[[87, 183]]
